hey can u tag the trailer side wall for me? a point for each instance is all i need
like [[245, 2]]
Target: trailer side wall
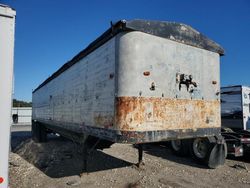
[[83, 95], [7, 26]]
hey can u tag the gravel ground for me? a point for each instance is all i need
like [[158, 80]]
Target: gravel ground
[[58, 163]]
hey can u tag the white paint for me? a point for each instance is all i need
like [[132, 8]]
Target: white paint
[[246, 107], [24, 114], [81, 93], [7, 25], [164, 59]]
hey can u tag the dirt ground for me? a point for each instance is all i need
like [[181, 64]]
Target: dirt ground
[[58, 163]]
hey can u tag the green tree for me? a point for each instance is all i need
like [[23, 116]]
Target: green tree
[[17, 103]]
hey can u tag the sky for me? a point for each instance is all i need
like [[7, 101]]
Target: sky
[[50, 32]]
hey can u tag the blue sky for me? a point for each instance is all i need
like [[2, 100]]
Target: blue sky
[[51, 32]]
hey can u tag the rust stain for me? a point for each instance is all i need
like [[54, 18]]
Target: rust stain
[[147, 114], [146, 73], [105, 121]]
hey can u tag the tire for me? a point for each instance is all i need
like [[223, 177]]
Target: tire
[[39, 132], [210, 154], [180, 147], [200, 149]]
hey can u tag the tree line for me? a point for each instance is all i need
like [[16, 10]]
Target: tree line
[[19, 103]]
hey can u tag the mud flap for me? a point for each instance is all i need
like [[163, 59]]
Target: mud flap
[[217, 156]]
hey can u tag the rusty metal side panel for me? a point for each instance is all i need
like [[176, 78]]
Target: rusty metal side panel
[[83, 94], [148, 114]]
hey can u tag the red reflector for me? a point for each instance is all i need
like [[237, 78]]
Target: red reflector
[[1, 180], [245, 139]]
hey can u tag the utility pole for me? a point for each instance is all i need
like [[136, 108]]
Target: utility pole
[[7, 27]]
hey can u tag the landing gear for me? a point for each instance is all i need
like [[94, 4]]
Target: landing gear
[[87, 151], [89, 144], [140, 156], [85, 159], [39, 132]]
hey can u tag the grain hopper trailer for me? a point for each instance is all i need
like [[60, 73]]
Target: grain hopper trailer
[[141, 81], [235, 116]]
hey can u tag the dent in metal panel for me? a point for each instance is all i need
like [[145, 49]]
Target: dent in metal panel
[[146, 114]]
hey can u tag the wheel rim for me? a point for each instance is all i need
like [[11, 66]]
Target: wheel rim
[[176, 144], [200, 148]]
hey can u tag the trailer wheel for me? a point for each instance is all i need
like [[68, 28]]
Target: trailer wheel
[[208, 153], [180, 147], [200, 149]]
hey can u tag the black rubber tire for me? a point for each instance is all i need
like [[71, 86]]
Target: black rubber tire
[[182, 149], [200, 149], [39, 132]]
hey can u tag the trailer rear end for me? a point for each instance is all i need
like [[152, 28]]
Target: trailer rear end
[[141, 81]]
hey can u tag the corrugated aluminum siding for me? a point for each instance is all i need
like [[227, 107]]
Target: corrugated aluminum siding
[[83, 94]]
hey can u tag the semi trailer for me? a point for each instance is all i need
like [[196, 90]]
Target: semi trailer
[[141, 81], [235, 117], [7, 27]]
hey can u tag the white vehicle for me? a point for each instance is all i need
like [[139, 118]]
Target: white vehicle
[[7, 25], [235, 118], [235, 107]]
